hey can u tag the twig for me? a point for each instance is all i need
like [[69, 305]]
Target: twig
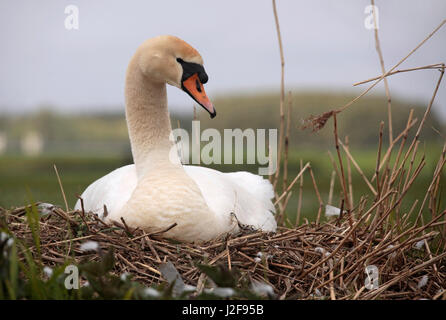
[[61, 187], [383, 70], [292, 183], [282, 92], [428, 67], [287, 141], [299, 205], [320, 121], [342, 176]]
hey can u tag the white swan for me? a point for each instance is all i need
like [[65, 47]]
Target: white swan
[[157, 190]]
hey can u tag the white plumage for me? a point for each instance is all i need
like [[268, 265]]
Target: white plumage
[[242, 193]]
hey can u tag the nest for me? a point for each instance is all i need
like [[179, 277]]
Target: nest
[[333, 260]]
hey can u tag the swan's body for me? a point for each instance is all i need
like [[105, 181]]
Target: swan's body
[[158, 191]]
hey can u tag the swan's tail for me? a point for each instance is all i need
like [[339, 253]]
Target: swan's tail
[[258, 212]]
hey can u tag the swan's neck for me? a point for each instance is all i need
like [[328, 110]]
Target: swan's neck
[[148, 121]]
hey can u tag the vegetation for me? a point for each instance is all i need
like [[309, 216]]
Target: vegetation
[[356, 209], [29, 269], [41, 246]]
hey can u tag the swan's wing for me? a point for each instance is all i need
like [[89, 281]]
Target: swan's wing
[[247, 195], [113, 190]]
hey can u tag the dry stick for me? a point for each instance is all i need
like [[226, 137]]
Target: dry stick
[[105, 212], [414, 230], [333, 163], [349, 174], [383, 69], [384, 180], [126, 227], [292, 183], [61, 187], [412, 160], [82, 203], [415, 139], [433, 195], [430, 105], [83, 212], [439, 294], [346, 238], [403, 163], [402, 195], [229, 257], [378, 158], [342, 177], [148, 241], [332, 292], [428, 67], [394, 67], [414, 145], [358, 293], [358, 168], [403, 142], [321, 203], [282, 92], [332, 182], [287, 141], [285, 204], [385, 251], [173, 225], [64, 216], [437, 184], [390, 148], [280, 211], [299, 205], [409, 213], [398, 188], [436, 174], [388, 72], [404, 275], [375, 253], [429, 252]]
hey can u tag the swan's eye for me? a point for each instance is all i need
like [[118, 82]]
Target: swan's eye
[[190, 68]]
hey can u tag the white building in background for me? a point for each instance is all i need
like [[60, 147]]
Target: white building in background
[[3, 142], [32, 143]]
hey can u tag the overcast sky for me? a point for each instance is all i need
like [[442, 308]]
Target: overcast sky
[[326, 46]]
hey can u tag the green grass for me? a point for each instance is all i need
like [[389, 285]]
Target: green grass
[[22, 177]]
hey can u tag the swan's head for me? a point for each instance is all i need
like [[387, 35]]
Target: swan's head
[[171, 60]]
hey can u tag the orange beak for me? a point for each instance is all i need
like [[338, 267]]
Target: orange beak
[[195, 89]]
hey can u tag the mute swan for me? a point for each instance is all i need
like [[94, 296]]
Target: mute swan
[[158, 191]]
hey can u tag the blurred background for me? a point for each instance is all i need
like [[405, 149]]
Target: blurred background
[[62, 96]]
